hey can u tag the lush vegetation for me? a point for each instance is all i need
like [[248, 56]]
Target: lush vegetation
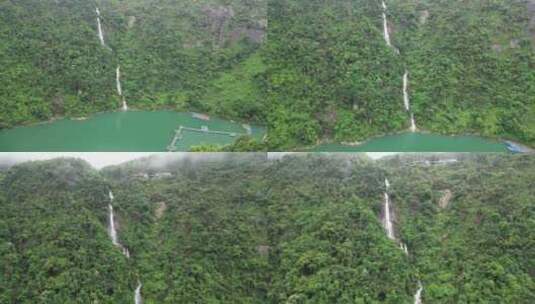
[[54, 247], [325, 73], [471, 64], [242, 228], [171, 54]]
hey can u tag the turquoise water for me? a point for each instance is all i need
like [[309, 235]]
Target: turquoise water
[[419, 142], [132, 131], [147, 131]]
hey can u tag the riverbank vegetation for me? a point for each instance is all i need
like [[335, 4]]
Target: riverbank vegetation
[[244, 228], [321, 71]]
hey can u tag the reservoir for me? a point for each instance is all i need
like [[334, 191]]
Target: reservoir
[[154, 131], [419, 142], [131, 131]]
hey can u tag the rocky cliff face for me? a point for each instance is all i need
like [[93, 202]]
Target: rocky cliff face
[[219, 19], [531, 13]]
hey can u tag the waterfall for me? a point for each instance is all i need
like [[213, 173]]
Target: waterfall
[[112, 231], [119, 88], [118, 81], [387, 221], [413, 123], [385, 26], [405, 91], [406, 100], [390, 233], [99, 25], [418, 295], [137, 296], [404, 248]]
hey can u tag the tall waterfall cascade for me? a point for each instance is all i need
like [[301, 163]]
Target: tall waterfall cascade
[[118, 71], [99, 26], [111, 228], [406, 99], [112, 231], [115, 241], [119, 87], [137, 295], [389, 227], [385, 26], [387, 223]]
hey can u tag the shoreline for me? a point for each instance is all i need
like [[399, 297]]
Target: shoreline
[[325, 141], [498, 140], [91, 116]]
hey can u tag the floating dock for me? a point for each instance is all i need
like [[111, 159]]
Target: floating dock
[[204, 129]]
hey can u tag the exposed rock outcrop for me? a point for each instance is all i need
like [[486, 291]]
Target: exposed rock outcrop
[[160, 210], [531, 14], [445, 199]]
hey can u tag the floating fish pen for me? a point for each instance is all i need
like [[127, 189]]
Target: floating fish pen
[[179, 135]]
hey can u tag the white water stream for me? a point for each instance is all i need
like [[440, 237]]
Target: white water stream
[[137, 296], [418, 295], [119, 87], [112, 231], [389, 227], [100, 32], [115, 241], [111, 228], [406, 99], [385, 26]]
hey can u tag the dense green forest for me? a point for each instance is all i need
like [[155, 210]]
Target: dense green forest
[[179, 55], [246, 228], [324, 74]]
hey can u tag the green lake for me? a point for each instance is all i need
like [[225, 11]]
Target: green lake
[[153, 131], [132, 131], [419, 142]]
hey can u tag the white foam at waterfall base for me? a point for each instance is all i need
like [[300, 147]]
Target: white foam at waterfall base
[[137, 295], [418, 295], [100, 31]]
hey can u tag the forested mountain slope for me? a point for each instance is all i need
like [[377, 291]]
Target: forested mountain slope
[[246, 229], [471, 64], [326, 73], [169, 53], [470, 68], [54, 247]]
